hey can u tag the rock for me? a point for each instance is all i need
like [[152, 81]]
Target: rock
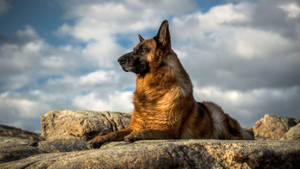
[[62, 145], [66, 133], [14, 148], [273, 127], [16, 132], [81, 124], [292, 134], [173, 154], [18, 144]]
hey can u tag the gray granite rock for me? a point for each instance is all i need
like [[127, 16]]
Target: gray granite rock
[[173, 154], [292, 134], [16, 132], [14, 148], [66, 133], [62, 145], [16, 143], [81, 124], [273, 127]]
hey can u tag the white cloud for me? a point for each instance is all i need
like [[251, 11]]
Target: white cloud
[[221, 28], [53, 62], [37, 77], [249, 106], [117, 101], [99, 24], [103, 53], [249, 98], [292, 9], [217, 21], [4, 6], [250, 43], [228, 13], [97, 20], [248, 69], [20, 59], [25, 108], [99, 78], [236, 53]]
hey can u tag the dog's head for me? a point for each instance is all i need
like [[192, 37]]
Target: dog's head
[[147, 54]]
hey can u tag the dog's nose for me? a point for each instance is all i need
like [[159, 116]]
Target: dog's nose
[[122, 60]]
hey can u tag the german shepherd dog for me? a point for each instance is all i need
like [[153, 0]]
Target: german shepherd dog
[[164, 106]]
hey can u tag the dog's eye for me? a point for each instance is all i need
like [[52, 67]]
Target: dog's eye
[[146, 50], [143, 49]]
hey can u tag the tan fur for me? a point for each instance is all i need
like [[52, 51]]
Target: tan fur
[[164, 106]]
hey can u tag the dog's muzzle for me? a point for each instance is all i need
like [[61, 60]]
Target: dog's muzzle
[[122, 60], [129, 63], [125, 62]]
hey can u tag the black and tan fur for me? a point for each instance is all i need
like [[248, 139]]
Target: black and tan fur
[[164, 106]]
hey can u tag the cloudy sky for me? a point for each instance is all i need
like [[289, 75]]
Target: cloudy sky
[[61, 54]]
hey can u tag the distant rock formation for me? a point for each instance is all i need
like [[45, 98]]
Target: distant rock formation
[[17, 144], [274, 127], [16, 132], [62, 144], [292, 134]]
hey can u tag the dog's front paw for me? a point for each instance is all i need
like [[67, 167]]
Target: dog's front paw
[[96, 142], [93, 145], [132, 138]]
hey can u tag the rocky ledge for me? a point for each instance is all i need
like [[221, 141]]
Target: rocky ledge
[[173, 154], [62, 144]]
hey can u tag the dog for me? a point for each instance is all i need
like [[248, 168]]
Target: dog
[[164, 106]]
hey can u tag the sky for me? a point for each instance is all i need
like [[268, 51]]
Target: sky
[[62, 54]]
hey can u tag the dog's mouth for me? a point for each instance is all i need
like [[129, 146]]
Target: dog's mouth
[[126, 68]]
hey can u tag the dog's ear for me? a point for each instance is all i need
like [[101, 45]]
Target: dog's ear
[[163, 37], [141, 38]]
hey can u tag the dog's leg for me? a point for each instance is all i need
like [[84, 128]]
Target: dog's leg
[[97, 141], [149, 134]]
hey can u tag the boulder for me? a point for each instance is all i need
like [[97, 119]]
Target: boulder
[[16, 132], [17, 144], [84, 125], [66, 133], [173, 154], [292, 134], [273, 127], [62, 145], [14, 148]]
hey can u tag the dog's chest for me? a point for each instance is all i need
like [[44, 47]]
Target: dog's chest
[[148, 100], [156, 109], [156, 119]]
